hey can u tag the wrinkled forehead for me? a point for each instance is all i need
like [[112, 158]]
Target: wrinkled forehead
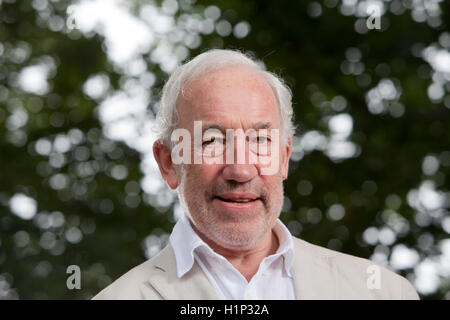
[[231, 93], [211, 82]]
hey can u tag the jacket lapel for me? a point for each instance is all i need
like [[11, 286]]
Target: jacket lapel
[[194, 285], [314, 274]]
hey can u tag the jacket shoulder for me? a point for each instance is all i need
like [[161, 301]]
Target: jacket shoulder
[[359, 278], [134, 285]]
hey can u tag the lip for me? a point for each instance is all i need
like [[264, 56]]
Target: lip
[[238, 196], [237, 206]]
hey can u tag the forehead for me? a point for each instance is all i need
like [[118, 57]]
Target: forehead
[[229, 96]]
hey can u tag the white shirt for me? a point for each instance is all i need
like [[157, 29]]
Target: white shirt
[[272, 281]]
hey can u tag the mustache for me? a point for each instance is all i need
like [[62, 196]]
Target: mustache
[[233, 186]]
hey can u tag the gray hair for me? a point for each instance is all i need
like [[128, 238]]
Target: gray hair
[[167, 117]]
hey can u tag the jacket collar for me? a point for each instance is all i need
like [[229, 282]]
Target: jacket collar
[[315, 274], [194, 285]]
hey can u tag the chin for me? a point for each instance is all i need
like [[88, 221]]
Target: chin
[[240, 243], [235, 236]]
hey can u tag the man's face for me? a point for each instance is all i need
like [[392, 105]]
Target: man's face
[[232, 205]]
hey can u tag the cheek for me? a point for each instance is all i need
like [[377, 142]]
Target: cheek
[[275, 188], [200, 176], [207, 173]]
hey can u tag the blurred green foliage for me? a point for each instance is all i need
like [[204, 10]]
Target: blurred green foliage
[[330, 61]]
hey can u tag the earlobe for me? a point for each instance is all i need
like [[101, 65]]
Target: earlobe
[[163, 157]]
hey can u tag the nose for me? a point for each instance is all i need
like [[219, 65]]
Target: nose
[[239, 172], [241, 169]]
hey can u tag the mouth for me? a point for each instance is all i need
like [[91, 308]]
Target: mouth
[[240, 204], [237, 200]]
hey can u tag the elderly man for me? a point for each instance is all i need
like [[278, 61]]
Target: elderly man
[[230, 243]]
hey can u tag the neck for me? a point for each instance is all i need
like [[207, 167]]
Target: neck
[[245, 260]]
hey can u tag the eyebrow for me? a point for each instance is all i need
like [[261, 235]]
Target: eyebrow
[[257, 126]]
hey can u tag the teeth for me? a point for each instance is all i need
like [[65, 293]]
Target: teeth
[[237, 200], [243, 200]]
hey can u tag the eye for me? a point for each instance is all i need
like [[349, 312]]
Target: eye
[[212, 140], [262, 139]]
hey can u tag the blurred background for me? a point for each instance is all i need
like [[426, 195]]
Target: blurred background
[[79, 88]]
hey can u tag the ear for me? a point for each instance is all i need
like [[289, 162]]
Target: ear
[[285, 156], [163, 157]]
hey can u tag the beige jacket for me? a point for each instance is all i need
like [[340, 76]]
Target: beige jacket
[[318, 273]]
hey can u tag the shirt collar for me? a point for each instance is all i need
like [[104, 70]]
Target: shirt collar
[[286, 245], [185, 241]]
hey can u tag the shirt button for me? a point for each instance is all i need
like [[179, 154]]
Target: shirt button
[[248, 295]]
